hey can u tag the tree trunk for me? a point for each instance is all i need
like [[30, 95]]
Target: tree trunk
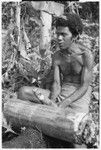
[[18, 9], [45, 38], [47, 10], [50, 120]]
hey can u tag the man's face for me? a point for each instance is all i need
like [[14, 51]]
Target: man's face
[[64, 37]]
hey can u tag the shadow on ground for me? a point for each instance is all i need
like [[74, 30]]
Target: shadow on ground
[[31, 138]]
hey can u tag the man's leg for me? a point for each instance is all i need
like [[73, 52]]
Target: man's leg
[[26, 93]]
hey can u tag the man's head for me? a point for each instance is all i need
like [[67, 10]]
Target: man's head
[[68, 29]]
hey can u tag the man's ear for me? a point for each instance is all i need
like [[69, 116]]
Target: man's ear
[[75, 38]]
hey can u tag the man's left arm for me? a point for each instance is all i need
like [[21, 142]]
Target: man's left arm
[[85, 80]]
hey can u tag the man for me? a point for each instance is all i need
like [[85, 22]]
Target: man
[[72, 66]]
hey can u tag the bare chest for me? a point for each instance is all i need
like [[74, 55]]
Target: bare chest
[[71, 65]]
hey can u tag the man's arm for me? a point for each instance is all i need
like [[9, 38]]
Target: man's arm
[[85, 80], [56, 87]]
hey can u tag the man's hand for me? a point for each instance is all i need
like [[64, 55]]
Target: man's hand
[[65, 103], [55, 91], [42, 99]]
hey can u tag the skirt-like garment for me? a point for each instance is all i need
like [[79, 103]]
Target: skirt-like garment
[[80, 105]]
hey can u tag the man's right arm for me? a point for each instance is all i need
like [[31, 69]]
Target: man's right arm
[[56, 87]]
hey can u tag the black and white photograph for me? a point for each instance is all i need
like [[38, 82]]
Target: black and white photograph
[[50, 74]]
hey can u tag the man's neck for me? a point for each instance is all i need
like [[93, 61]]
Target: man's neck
[[66, 51]]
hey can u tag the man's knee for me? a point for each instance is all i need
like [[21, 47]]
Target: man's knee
[[23, 92]]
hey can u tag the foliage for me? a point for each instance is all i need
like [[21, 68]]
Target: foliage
[[86, 10], [90, 11], [26, 68]]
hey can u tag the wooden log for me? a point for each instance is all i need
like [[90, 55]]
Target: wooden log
[[50, 120]]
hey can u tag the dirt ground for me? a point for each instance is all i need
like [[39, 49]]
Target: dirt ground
[[32, 138]]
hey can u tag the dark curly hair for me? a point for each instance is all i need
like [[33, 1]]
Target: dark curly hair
[[72, 21]]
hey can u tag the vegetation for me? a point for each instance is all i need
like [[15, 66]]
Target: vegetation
[[22, 63]]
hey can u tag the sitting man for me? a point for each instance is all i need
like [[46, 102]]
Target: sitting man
[[72, 65]]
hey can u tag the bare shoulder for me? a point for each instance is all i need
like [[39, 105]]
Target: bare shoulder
[[87, 55], [56, 57], [56, 54]]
